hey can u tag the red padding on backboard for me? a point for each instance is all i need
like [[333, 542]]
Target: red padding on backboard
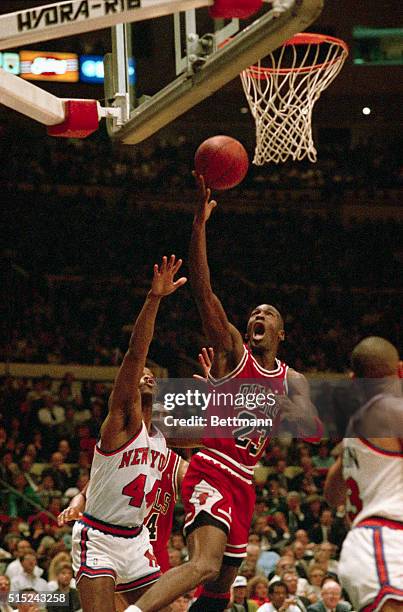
[[239, 9], [81, 120]]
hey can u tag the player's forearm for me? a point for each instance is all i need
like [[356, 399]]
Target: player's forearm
[[143, 329], [78, 502], [198, 263]]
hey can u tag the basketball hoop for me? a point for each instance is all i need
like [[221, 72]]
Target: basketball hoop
[[281, 94]]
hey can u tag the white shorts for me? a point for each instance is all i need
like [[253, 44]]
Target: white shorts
[[128, 558], [371, 564]]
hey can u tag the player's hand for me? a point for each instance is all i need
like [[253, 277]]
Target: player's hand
[[205, 358], [205, 206], [163, 282], [69, 515]]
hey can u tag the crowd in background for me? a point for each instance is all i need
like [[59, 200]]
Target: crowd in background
[[166, 164], [333, 284], [75, 269]]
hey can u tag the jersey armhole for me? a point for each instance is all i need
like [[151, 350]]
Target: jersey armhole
[[121, 448]]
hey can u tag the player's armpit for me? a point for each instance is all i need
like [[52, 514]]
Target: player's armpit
[[123, 421], [335, 489]]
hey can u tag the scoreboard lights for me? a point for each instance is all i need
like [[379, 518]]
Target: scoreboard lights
[[57, 66], [92, 69], [49, 66]]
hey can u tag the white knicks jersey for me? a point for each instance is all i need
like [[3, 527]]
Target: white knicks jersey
[[374, 480], [123, 483]]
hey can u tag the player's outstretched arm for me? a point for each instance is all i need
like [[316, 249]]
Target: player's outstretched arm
[[222, 335], [125, 402]]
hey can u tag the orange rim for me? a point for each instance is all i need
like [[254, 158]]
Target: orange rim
[[304, 38]]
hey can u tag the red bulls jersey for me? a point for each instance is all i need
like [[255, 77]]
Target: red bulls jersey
[[159, 521], [242, 449]]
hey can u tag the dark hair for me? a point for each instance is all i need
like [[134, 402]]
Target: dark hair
[[275, 584]]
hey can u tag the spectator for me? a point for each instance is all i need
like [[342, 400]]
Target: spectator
[[276, 500], [330, 599], [291, 580], [19, 503], [322, 556], [30, 606], [316, 575], [282, 531], [51, 414], [8, 468], [58, 473], [46, 489], [295, 516], [313, 505], [279, 600], [64, 578], [301, 562], [29, 579], [26, 464], [239, 601], [323, 460], [330, 529], [4, 591], [65, 449], [258, 589], [59, 559], [264, 531], [282, 478], [50, 522]]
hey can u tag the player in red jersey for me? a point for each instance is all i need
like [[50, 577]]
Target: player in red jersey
[[159, 521], [217, 491]]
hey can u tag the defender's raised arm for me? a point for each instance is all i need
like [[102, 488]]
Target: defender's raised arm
[[125, 414]]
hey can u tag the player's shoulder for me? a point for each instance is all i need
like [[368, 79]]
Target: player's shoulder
[[387, 409], [391, 403], [296, 380]]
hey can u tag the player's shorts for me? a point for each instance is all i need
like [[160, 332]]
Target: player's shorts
[[217, 491], [371, 563], [125, 554]]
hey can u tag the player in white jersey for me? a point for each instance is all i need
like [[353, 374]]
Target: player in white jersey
[[111, 547], [370, 473]]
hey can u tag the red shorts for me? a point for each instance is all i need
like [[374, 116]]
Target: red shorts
[[210, 487]]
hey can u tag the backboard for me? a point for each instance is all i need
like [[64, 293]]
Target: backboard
[[202, 63], [194, 62]]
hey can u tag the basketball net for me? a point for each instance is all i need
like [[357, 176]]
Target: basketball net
[[281, 94]]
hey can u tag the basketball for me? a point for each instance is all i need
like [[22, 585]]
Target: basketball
[[223, 161]]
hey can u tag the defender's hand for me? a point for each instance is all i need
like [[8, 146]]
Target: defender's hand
[[68, 515], [163, 282], [205, 206], [205, 358]]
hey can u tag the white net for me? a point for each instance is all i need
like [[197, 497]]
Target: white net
[[281, 94]]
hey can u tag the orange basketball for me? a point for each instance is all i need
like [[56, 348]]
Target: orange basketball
[[223, 161]]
